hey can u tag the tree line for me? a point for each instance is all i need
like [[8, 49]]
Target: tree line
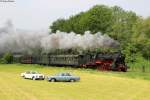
[[131, 30]]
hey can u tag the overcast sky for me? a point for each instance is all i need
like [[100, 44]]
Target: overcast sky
[[39, 14]]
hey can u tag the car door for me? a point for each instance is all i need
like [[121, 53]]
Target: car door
[[61, 77], [27, 74], [66, 77], [32, 74], [58, 77]]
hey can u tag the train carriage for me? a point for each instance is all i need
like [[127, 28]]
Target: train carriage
[[101, 61], [30, 59]]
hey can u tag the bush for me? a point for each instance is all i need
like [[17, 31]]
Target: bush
[[7, 58]]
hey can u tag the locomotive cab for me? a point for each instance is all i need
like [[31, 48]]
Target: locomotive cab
[[120, 63], [111, 61]]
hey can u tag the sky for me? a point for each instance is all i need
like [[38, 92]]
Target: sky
[[39, 14]]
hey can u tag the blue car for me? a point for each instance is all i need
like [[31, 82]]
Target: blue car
[[63, 77]]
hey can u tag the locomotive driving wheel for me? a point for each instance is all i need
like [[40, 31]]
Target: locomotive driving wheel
[[104, 67]]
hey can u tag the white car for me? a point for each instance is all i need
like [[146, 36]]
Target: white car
[[32, 75]]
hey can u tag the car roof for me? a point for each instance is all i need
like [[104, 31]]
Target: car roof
[[64, 73], [31, 71]]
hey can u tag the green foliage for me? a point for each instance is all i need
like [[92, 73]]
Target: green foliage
[[96, 19], [59, 23], [130, 52], [123, 21], [140, 61], [132, 31], [141, 37], [1, 61], [7, 58]]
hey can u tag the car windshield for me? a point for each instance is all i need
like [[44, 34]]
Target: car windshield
[[27, 72], [34, 72], [67, 74]]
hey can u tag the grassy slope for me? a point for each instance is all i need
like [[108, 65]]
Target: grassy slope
[[93, 85]]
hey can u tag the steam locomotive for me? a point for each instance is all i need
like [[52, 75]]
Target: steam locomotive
[[101, 61]]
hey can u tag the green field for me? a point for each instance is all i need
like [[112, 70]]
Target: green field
[[94, 85]]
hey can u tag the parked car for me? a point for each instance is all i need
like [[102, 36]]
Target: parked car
[[64, 77], [32, 75]]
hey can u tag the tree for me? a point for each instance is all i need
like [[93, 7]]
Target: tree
[[58, 25], [141, 36], [132, 31], [98, 18], [123, 21], [7, 58]]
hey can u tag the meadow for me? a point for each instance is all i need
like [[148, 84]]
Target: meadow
[[94, 85]]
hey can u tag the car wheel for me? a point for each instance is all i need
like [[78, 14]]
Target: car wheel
[[33, 78], [53, 80], [72, 80], [24, 77]]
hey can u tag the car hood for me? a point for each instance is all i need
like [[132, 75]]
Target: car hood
[[22, 73]]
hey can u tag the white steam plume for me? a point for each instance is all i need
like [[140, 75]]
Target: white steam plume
[[13, 40]]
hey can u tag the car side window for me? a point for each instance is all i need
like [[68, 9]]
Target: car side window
[[62, 74], [27, 72], [67, 74], [34, 72]]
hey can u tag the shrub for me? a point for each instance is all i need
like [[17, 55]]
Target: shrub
[[7, 58]]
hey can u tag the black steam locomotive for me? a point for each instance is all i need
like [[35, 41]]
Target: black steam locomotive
[[101, 61]]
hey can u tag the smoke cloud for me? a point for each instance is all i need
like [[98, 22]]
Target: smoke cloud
[[14, 40]]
